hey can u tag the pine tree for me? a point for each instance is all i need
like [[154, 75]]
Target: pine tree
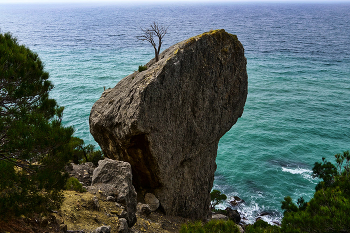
[[34, 143]]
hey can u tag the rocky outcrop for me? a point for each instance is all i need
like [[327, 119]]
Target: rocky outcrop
[[167, 121], [83, 172], [233, 215], [219, 217], [114, 179]]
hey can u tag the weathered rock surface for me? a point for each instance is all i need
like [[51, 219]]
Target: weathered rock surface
[[143, 209], [83, 172], [233, 215], [152, 201], [103, 229], [114, 178], [167, 121], [123, 226], [219, 216]]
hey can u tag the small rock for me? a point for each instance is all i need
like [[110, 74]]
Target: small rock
[[152, 201], [123, 226], [264, 213], [111, 198], [123, 214], [103, 229], [96, 204], [237, 200], [234, 203], [86, 174], [240, 228], [144, 209], [219, 216]]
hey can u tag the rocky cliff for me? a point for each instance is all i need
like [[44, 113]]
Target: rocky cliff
[[167, 121]]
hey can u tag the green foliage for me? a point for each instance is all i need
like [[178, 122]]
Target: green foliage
[[34, 144], [74, 184], [302, 204], [81, 153], [261, 226], [213, 226], [95, 156], [195, 227], [216, 198], [288, 205], [142, 68], [219, 211], [328, 210], [326, 171]]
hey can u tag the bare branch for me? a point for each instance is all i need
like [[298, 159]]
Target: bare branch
[[155, 30]]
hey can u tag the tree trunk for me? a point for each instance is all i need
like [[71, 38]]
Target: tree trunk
[[156, 54]]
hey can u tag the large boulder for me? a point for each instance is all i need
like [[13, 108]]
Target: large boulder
[[167, 121], [114, 179]]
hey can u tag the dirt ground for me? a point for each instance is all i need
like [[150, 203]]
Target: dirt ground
[[80, 213]]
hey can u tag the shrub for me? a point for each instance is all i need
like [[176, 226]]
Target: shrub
[[195, 227], [213, 226], [261, 226], [81, 153], [328, 210], [221, 226], [142, 68], [74, 184], [95, 156]]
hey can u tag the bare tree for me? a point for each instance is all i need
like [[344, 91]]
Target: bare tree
[[149, 34]]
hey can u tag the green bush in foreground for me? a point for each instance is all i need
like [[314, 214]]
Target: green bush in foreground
[[328, 210], [261, 226], [213, 226], [74, 184]]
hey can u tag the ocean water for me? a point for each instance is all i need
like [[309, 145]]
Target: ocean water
[[298, 105]]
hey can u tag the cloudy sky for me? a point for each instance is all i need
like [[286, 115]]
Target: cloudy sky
[[157, 1]]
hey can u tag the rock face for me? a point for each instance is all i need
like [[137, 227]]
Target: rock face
[[114, 179], [233, 215], [83, 172], [167, 121]]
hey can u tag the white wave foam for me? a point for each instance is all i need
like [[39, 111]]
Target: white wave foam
[[296, 170], [250, 213], [305, 173]]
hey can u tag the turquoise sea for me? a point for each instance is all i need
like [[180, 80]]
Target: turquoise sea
[[298, 105]]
